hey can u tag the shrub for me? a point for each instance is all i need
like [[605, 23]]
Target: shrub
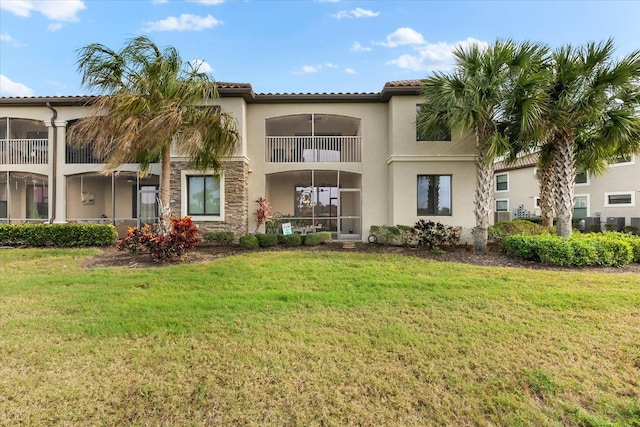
[[325, 236], [292, 240], [609, 249], [631, 229], [312, 239], [220, 238], [498, 232], [384, 234], [280, 238], [434, 234], [249, 242], [267, 240], [58, 235], [181, 237]]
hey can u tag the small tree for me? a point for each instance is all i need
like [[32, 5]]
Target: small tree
[[263, 213]]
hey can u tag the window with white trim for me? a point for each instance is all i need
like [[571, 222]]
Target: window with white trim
[[621, 199], [626, 160], [202, 196], [580, 206], [502, 205], [502, 182], [582, 177]]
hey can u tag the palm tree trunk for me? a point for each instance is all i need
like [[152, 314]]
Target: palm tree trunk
[[565, 165], [165, 187], [483, 200], [547, 179]]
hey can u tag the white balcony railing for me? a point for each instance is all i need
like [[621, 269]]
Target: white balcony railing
[[24, 151], [306, 149]]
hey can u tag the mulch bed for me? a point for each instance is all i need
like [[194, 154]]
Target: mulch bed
[[493, 257]]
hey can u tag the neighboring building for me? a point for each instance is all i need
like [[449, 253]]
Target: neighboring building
[[613, 196], [339, 162]]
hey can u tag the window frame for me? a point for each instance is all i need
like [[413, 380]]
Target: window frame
[[587, 178], [587, 197], [501, 200], [495, 182], [184, 187], [632, 161], [420, 138], [421, 212], [631, 204]]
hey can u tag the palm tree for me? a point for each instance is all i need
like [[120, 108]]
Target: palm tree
[[152, 103], [591, 114], [475, 98]]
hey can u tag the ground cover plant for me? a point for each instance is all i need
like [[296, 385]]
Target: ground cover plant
[[314, 338]]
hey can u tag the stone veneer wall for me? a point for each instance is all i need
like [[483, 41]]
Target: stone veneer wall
[[236, 198]]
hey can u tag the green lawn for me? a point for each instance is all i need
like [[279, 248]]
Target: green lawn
[[314, 338]]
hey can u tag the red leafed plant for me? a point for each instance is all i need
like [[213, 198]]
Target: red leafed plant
[[263, 214], [181, 237]]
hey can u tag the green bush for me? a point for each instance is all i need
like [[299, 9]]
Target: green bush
[[220, 238], [498, 232], [58, 235], [280, 238], [431, 234], [607, 249], [312, 239], [325, 236], [267, 240], [385, 234], [292, 240], [631, 229], [249, 242]]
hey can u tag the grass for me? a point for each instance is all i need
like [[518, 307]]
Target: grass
[[304, 338]]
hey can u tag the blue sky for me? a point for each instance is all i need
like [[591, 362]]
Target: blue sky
[[292, 46]]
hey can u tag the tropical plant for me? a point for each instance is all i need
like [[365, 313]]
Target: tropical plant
[[263, 212], [151, 103], [590, 115], [474, 98]]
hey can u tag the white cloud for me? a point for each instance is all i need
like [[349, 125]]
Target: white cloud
[[403, 36], [330, 65], [9, 88], [356, 13], [350, 71], [54, 26], [57, 10], [201, 66], [307, 69], [433, 56], [185, 22], [357, 47], [159, 1]]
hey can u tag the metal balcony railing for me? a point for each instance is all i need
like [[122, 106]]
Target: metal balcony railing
[[80, 155], [24, 151], [313, 149]]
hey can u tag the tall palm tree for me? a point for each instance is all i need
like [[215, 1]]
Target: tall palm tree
[[475, 98], [152, 103], [591, 113]]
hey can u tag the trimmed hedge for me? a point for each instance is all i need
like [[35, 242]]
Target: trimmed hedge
[[499, 231], [221, 238], [267, 240], [292, 240], [57, 235], [312, 239], [607, 249], [249, 242]]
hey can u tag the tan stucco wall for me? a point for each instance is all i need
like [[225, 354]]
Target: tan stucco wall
[[524, 188]]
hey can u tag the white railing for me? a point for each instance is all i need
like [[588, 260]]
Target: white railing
[[305, 149], [24, 151]]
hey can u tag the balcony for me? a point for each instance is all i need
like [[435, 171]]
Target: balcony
[[24, 151], [82, 155], [313, 149]]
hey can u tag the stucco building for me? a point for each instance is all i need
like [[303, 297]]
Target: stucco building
[[336, 162]]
